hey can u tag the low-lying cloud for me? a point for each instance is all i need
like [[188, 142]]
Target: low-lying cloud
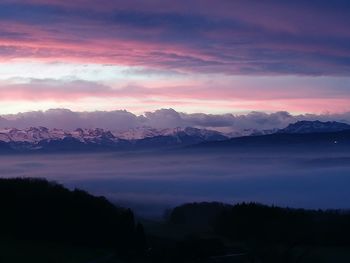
[[162, 118]]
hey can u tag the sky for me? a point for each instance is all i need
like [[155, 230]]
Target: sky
[[196, 56]]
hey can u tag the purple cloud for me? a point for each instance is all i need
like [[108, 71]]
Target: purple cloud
[[163, 118], [233, 37]]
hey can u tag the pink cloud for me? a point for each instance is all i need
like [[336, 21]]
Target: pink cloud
[[194, 38], [232, 37], [239, 95]]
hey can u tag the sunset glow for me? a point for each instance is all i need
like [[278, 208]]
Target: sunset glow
[[146, 55]]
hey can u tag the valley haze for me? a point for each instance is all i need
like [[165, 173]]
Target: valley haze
[[305, 165]]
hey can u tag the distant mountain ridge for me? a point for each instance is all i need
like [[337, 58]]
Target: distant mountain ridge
[[315, 127], [37, 134], [301, 133], [44, 139]]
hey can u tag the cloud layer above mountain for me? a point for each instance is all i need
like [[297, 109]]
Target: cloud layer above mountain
[[194, 55], [236, 37], [163, 118]]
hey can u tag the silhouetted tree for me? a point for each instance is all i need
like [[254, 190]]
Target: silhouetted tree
[[35, 209]]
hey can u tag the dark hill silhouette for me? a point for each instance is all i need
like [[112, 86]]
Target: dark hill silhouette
[[252, 232], [197, 216], [324, 140], [38, 210], [5, 148], [253, 221]]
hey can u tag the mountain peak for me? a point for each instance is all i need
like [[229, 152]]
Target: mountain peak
[[97, 138], [315, 127]]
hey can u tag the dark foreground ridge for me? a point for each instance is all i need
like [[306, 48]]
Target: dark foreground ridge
[[37, 215], [36, 210], [257, 222], [251, 232]]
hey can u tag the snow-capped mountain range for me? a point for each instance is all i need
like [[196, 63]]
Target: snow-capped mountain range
[[44, 139], [41, 138], [38, 134], [315, 127]]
